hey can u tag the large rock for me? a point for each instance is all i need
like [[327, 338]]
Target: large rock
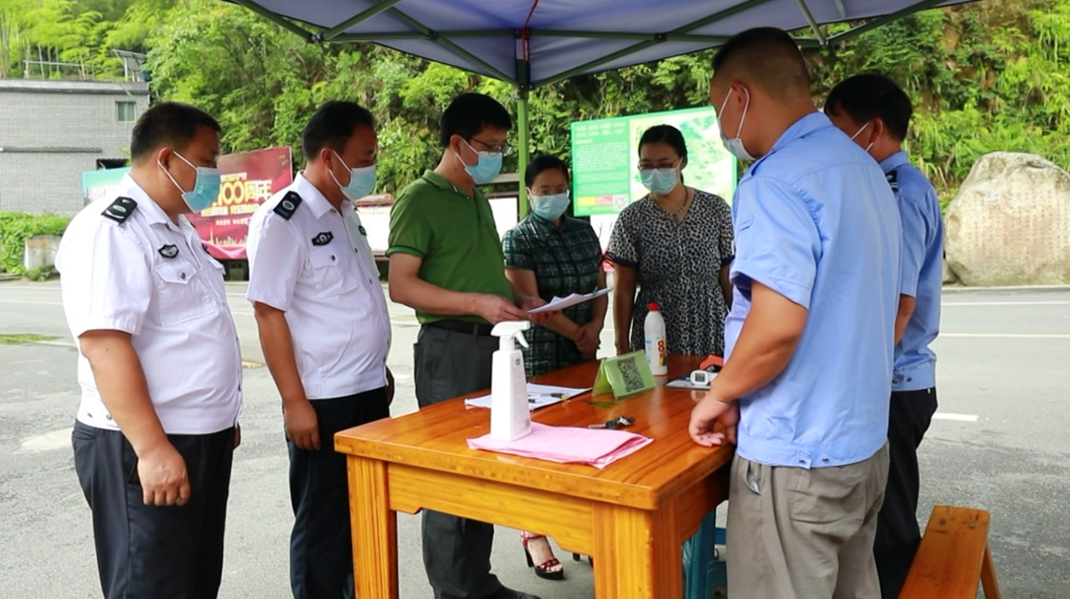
[[1010, 223]]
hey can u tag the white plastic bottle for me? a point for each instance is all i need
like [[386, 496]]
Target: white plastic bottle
[[654, 333], [510, 417]]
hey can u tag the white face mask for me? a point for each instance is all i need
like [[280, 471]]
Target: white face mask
[[735, 144], [859, 132]]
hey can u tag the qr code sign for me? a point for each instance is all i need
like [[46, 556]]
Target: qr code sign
[[629, 369]]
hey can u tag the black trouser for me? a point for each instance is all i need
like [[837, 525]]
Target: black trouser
[[898, 533], [450, 364], [152, 552], [321, 546]]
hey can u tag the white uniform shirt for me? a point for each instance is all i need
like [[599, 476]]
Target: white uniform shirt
[[153, 279], [318, 268]]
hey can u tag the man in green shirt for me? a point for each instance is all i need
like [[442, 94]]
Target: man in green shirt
[[446, 263]]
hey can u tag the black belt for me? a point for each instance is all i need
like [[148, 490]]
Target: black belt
[[460, 326]]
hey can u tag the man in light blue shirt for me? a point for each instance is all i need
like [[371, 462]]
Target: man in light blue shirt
[[876, 113], [804, 391]]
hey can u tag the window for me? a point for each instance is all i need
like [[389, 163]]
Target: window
[[126, 112]]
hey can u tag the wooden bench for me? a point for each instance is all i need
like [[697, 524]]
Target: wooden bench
[[954, 554]]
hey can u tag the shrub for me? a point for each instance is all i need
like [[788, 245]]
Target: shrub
[[16, 228]]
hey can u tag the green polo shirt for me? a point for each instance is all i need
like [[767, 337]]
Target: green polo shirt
[[455, 236]]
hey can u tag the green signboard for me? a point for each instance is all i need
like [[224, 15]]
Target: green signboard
[[605, 155]]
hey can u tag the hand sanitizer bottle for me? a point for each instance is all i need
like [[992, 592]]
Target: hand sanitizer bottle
[[510, 418], [654, 333]]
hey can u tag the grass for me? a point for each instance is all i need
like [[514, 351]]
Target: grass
[[22, 338]]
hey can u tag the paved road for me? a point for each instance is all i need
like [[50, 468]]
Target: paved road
[[1003, 445]]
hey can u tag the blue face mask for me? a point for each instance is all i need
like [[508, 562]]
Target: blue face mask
[[361, 181], [486, 169], [550, 207], [660, 181], [205, 188]]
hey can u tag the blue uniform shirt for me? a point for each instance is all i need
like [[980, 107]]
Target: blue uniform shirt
[[816, 221], [922, 275]]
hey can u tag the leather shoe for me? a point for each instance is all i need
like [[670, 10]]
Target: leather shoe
[[507, 593]]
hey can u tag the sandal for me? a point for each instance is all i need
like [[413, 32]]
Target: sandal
[[551, 569]]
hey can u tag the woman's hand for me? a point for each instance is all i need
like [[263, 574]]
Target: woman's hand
[[588, 339]]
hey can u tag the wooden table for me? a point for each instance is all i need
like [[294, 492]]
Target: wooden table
[[631, 517]]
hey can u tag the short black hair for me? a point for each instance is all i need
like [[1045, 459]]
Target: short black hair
[[470, 113], [767, 57], [168, 124], [541, 164], [869, 96], [665, 134], [332, 126]]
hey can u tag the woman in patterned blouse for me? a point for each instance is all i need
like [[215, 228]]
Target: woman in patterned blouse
[[675, 245], [549, 254]]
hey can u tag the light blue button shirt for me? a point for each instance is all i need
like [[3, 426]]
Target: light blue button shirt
[[816, 221], [922, 275]]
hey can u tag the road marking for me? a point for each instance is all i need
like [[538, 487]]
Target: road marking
[[56, 344], [1005, 335], [36, 303], [1052, 303], [60, 439], [955, 417]]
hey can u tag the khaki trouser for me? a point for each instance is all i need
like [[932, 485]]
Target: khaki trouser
[[804, 534]]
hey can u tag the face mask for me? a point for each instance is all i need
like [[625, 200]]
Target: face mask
[[361, 181], [550, 207], [488, 167], [205, 187], [735, 144], [660, 181], [864, 127]]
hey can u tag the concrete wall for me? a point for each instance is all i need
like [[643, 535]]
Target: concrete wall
[[52, 131]]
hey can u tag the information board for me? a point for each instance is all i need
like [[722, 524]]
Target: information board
[[249, 178], [605, 156]]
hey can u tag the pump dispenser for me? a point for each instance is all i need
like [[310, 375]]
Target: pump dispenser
[[510, 418]]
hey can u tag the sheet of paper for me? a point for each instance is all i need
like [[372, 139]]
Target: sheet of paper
[[539, 396], [568, 445], [560, 303]]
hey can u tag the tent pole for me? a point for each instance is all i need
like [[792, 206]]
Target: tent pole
[[522, 156], [276, 19]]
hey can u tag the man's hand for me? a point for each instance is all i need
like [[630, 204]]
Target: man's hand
[[708, 412], [495, 309], [587, 339], [530, 302], [163, 476], [624, 344], [389, 387], [302, 426], [237, 435]]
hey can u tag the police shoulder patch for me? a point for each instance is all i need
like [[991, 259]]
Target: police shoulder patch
[[893, 180], [120, 209], [288, 205]]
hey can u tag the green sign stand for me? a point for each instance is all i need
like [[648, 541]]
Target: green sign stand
[[624, 375]]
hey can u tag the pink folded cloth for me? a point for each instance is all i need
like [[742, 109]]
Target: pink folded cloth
[[568, 445]]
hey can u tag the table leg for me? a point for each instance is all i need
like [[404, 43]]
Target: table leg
[[375, 532], [637, 553]]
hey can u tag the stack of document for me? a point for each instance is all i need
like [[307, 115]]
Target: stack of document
[[596, 447], [539, 396]]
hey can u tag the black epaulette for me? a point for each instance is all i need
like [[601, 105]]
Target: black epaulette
[[288, 205], [893, 180], [120, 209]]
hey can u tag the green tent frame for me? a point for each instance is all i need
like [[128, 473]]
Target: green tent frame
[[523, 82]]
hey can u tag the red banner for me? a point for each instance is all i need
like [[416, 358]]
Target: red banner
[[249, 178]]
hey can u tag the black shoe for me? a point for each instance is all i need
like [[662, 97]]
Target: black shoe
[[507, 593]]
